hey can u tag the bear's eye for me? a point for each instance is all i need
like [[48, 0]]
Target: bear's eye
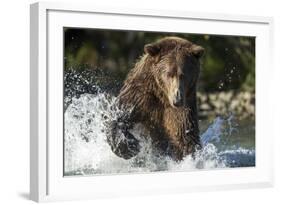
[[172, 72]]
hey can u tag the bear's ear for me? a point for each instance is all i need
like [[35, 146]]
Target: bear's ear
[[197, 51], [152, 49]]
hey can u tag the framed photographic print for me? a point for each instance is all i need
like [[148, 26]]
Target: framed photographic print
[[127, 102]]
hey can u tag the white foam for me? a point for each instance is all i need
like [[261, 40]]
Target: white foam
[[87, 152]]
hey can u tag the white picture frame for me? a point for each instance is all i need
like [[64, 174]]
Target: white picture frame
[[46, 151]]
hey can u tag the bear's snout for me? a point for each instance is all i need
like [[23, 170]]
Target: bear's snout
[[178, 101]]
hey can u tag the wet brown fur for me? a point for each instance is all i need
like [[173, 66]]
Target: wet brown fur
[[174, 130]]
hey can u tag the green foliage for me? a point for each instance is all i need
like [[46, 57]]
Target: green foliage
[[228, 63]]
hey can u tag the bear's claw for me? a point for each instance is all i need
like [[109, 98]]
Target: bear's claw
[[127, 146], [121, 141]]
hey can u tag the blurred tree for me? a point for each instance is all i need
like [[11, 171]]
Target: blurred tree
[[229, 61]]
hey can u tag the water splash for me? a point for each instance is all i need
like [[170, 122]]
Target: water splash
[[213, 132], [87, 152]]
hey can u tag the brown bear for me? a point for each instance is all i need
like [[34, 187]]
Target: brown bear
[[160, 93]]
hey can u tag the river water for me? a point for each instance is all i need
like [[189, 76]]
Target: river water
[[227, 142]]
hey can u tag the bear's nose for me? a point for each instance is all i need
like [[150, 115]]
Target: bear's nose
[[179, 99]]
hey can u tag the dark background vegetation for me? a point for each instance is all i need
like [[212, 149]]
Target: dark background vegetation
[[228, 63]]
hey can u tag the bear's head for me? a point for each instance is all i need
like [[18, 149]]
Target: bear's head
[[175, 67]]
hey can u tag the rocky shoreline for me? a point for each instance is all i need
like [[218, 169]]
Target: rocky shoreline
[[241, 104]]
